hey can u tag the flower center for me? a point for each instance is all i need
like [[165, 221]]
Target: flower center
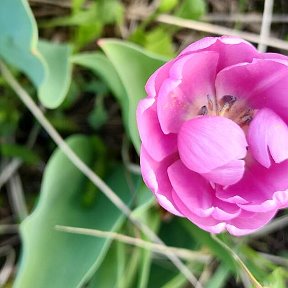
[[230, 107]]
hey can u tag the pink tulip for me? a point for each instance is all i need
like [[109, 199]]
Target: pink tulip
[[214, 135]]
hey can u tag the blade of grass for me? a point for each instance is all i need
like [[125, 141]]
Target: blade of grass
[[239, 261], [155, 247]]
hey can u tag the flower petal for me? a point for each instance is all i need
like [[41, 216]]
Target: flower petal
[[157, 144], [209, 224], [156, 178], [191, 188], [260, 189], [232, 50], [206, 143], [261, 84], [248, 222], [227, 174], [156, 79], [268, 131], [181, 96], [198, 194]]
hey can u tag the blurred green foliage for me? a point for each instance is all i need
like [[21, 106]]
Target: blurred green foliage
[[78, 87]]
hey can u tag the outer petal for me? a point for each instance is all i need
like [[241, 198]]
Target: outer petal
[[157, 144], [192, 189], [268, 131], [206, 143], [191, 80], [156, 79], [198, 194], [232, 50], [228, 174], [260, 189], [209, 224], [248, 222], [261, 84], [156, 178]]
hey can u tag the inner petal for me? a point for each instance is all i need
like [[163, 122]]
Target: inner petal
[[181, 96], [259, 187], [268, 133], [156, 178], [153, 139], [232, 50], [260, 84], [206, 143]]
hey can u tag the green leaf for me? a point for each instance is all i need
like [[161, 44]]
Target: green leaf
[[134, 66], [204, 239], [18, 39], [101, 65], [219, 278], [106, 275], [167, 5], [103, 68], [57, 259], [13, 150], [48, 68], [55, 87], [151, 218], [159, 41], [278, 278], [192, 9], [98, 115]]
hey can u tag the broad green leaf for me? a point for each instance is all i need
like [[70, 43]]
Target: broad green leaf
[[18, 39], [134, 66], [46, 64], [55, 87], [57, 259], [192, 9]]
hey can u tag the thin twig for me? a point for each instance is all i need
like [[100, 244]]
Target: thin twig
[[243, 18], [16, 197], [239, 261], [214, 29], [94, 178], [277, 224], [275, 259], [10, 169], [8, 267], [266, 25], [185, 254], [8, 228]]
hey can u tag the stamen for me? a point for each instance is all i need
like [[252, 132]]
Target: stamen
[[203, 111], [229, 99], [227, 102], [210, 103], [247, 117]]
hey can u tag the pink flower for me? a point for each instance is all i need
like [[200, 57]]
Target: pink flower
[[215, 137]]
